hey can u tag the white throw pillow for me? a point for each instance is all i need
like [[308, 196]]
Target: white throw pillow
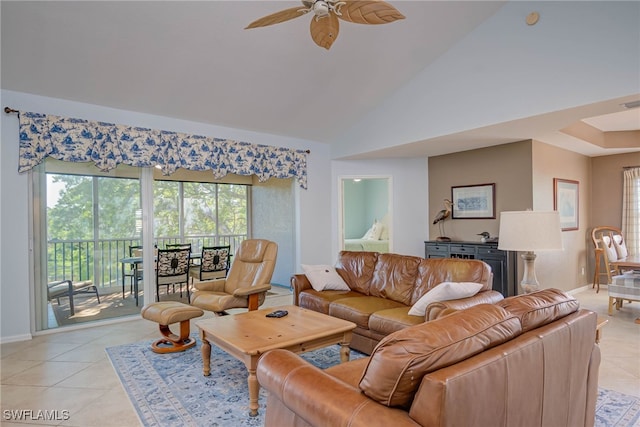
[[385, 227], [445, 291], [324, 277], [368, 234], [621, 248], [385, 233], [376, 230], [612, 254]]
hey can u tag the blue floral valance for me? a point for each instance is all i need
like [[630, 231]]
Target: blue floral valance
[[108, 145]]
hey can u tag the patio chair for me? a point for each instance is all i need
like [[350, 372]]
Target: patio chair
[[178, 246], [67, 288], [172, 268], [214, 261], [135, 272], [247, 283]]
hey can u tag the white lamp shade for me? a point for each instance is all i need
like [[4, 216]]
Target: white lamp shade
[[530, 231]]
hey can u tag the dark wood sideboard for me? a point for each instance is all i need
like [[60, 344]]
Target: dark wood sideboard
[[503, 263]]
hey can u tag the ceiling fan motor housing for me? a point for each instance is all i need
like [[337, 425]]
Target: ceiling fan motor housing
[[320, 8]]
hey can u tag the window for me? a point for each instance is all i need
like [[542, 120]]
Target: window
[[200, 213], [88, 220]]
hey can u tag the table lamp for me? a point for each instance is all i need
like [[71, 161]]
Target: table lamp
[[530, 232]]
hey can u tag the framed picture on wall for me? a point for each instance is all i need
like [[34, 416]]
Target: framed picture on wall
[[566, 202], [474, 201]]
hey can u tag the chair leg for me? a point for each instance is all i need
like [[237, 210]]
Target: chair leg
[[253, 302], [70, 294], [171, 342], [95, 289]]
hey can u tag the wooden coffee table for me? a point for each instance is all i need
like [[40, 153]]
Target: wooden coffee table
[[247, 336]]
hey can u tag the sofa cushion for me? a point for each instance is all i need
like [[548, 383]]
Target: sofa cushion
[[356, 268], [392, 320], [320, 300], [324, 277], [433, 271], [358, 310], [539, 308], [394, 277], [400, 360], [445, 291]]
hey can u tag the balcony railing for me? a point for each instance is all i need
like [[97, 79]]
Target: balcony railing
[[99, 260]]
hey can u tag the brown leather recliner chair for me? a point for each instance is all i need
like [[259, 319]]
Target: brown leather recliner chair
[[247, 283]]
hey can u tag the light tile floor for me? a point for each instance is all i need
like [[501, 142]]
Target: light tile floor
[[69, 371]]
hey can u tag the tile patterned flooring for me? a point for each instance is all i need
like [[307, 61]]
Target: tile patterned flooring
[[69, 371]]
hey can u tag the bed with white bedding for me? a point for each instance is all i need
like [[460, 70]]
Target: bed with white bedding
[[376, 239], [367, 245]]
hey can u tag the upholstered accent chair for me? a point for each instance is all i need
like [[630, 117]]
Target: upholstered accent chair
[[172, 268], [247, 282], [214, 263]]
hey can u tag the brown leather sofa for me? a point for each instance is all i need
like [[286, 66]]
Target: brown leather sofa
[[529, 360], [383, 287]]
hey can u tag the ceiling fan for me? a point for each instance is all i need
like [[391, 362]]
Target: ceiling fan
[[325, 24]]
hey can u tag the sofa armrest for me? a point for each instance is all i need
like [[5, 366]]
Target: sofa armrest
[[299, 283], [437, 309], [318, 398]]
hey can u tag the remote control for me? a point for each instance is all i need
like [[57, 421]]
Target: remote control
[[278, 313]]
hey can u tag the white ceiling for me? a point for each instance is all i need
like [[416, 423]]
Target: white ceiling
[[195, 61]]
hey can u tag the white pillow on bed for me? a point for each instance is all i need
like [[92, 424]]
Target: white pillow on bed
[[445, 291], [324, 277], [374, 232]]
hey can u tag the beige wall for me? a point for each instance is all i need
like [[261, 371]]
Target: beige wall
[[606, 208], [568, 269], [523, 173], [508, 166]]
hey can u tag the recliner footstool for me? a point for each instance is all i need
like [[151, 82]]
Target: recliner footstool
[[166, 313]]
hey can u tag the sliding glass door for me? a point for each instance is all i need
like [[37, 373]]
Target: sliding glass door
[[86, 222]]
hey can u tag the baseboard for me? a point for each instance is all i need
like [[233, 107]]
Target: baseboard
[[15, 338], [281, 285], [586, 287]]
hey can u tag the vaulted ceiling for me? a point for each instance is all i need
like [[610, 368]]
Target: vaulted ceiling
[[195, 61]]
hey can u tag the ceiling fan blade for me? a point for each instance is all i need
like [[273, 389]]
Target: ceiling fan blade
[[324, 31], [369, 12], [278, 17]]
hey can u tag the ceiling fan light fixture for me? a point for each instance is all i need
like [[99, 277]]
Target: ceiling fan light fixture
[[325, 24]]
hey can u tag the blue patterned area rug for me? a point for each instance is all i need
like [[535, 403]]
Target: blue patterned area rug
[[169, 389]]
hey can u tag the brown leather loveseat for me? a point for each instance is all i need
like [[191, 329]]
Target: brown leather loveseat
[[529, 360], [384, 287]]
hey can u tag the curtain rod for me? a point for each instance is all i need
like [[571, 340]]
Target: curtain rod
[[631, 167], [9, 110]]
